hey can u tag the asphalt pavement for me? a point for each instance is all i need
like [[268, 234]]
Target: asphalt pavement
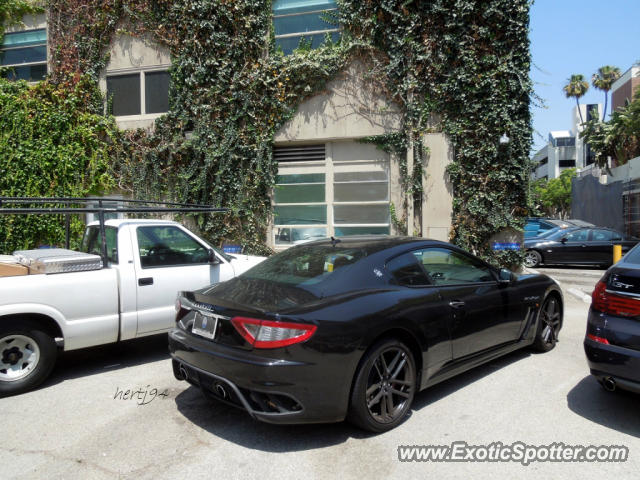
[[79, 424]]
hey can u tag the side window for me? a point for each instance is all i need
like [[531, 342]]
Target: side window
[[91, 242], [163, 246], [577, 236], [406, 270], [602, 235], [446, 267]]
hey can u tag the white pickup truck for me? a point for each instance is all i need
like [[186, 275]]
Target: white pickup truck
[[133, 296]]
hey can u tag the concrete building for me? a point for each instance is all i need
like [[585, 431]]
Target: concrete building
[[565, 149], [329, 183], [623, 89]]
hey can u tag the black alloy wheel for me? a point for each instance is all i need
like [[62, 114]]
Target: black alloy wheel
[[548, 324], [384, 387]]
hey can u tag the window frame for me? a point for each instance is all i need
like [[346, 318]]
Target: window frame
[[29, 64], [432, 283], [142, 74], [301, 35], [329, 168], [185, 232]]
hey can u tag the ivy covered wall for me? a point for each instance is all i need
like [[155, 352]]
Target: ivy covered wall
[[457, 66]]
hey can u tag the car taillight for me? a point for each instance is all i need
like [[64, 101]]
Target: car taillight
[[270, 334], [595, 338], [608, 302]]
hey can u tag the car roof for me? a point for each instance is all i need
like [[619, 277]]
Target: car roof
[[380, 241], [118, 222]]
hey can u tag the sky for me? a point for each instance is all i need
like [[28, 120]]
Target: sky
[[577, 36]]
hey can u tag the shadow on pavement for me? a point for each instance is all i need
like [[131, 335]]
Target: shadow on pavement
[[113, 356], [447, 387], [616, 410], [235, 425]]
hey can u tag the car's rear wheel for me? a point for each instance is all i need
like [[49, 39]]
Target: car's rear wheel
[[27, 356], [384, 387], [548, 324], [532, 258]]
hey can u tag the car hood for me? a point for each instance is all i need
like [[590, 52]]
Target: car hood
[[241, 263]]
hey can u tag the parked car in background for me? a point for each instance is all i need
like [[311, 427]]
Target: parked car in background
[[538, 226], [355, 328], [576, 245], [548, 233], [612, 341]]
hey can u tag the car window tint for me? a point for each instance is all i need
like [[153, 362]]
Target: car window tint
[[446, 267], [577, 236], [165, 245], [406, 270], [601, 235]]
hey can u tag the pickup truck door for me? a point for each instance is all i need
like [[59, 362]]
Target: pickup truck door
[[170, 259]]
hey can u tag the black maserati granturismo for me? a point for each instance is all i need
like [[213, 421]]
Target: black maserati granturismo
[[354, 327]]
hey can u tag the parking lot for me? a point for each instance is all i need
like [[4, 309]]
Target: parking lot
[[81, 424]]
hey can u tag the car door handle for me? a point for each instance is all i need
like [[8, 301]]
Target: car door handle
[[145, 281], [456, 304]]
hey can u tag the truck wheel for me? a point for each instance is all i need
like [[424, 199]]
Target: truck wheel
[[27, 356]]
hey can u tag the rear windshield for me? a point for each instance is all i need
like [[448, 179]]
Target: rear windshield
[[91, 242], [633, 255], [305, 265]]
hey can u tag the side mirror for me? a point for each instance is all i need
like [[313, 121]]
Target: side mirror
[[563, 240], [505, 276], [213, 258]]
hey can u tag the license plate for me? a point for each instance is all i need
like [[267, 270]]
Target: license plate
[[205, 325]]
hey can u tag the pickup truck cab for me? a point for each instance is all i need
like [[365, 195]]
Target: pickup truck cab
[[134, 295]]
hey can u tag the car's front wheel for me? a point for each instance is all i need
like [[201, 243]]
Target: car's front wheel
[[27, 356], [548, 324], [384, 387], [532, 258]]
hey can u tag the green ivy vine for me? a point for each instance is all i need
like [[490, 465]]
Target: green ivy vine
[[460, 67]]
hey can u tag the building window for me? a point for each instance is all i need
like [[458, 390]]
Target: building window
[[302, 20], [544, 161], [566, 163], [25, 55], [319, 196], [139, 93], [565, 142]]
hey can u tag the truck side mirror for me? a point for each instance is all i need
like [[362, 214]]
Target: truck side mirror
[[213, 258]]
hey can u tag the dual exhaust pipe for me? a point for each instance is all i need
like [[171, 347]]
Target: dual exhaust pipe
[[219, 387]]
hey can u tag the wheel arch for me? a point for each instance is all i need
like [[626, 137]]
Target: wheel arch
[[406, 337], [48, 325]]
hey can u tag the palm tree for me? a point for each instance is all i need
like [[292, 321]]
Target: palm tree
[[603, 79], [576, 87]]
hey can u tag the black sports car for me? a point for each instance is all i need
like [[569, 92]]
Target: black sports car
[[355, 327], [577, 245], [612, 342]]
